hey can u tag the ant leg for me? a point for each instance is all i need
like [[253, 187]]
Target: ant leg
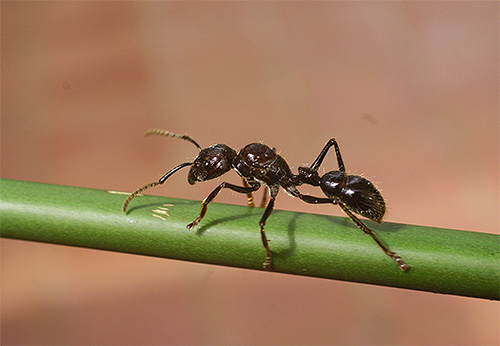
[[292, 190], [402, 265], [323, 153], [145, 187], [264, 198], [316, 200], [214, 193], [249, 195], [268, 264]]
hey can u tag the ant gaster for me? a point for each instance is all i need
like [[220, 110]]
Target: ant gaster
[[258, 164]]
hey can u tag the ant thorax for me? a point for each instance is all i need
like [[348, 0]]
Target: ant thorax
[[258, 162]]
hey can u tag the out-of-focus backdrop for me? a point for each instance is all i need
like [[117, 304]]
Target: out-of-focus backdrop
[[409, 89]]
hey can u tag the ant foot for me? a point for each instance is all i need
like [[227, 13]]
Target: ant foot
[[402, 265], [268, 264], [194, 223]]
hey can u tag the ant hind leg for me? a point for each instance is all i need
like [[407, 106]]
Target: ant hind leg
[[402, 265]]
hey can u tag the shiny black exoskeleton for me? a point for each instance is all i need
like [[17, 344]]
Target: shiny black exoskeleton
[[258, 164]]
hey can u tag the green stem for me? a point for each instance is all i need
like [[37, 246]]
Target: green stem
[[441, 260]]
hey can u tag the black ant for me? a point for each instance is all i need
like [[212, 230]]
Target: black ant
[[258, 164]]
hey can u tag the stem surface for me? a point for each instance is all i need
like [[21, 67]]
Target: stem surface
[[441, 260]]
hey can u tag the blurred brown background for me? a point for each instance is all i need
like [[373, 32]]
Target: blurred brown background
[[410, 90]]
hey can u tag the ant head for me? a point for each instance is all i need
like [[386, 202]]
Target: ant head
[[211, 163]]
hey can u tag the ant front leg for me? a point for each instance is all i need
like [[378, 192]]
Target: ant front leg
[[321, 156], [214, 193]]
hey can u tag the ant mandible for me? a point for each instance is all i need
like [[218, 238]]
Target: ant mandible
[[258, 164]]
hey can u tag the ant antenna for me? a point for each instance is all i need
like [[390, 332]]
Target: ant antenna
[[166, 133], [161, 181]]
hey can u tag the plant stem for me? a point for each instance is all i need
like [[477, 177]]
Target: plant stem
[[441, 260]]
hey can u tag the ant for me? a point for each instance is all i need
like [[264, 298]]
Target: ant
[[259, 164]]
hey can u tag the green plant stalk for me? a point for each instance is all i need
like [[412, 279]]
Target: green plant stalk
[[441, 260]]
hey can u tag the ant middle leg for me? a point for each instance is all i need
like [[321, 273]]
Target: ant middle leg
[[241, 189], [268, 264]]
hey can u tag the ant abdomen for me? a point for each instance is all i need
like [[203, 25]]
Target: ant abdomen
[[357, 193]]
